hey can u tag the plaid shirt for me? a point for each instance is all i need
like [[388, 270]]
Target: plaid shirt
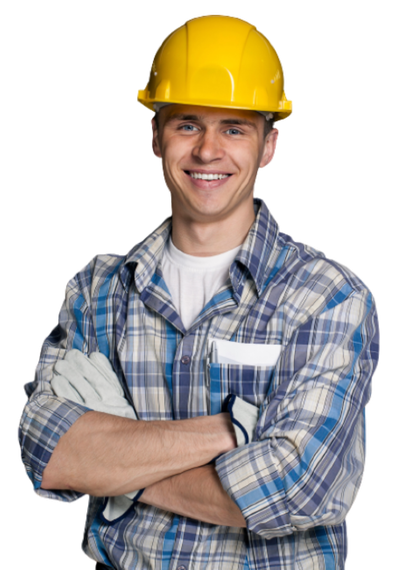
[[297, 480]]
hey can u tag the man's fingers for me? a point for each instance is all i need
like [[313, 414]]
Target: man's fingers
[[84, 367]]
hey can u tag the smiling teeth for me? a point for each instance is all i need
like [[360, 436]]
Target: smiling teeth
[[208, 176]]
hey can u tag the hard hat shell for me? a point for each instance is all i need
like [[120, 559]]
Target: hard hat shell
[[218, 61]]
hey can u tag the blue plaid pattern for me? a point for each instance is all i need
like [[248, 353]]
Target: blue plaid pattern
[[299, 477]]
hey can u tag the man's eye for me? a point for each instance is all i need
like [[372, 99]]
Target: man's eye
[[188, 127], [233, 132]]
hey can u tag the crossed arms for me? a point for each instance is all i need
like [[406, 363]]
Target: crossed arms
[[105, 455]]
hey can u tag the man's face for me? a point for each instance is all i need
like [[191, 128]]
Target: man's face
[[211, 158]]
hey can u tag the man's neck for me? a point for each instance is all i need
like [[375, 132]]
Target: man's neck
[[212, 238]]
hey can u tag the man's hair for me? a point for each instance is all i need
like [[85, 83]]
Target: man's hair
[[268, 126]]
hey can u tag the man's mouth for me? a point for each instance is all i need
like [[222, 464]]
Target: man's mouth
[[204, 176]]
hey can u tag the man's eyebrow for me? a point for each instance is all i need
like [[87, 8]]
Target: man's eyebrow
[[231, 121]]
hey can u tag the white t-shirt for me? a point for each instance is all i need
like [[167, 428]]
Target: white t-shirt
[[193, 280]]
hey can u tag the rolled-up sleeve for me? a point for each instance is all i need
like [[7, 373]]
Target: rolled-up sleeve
[[305, 465], [47, 417]]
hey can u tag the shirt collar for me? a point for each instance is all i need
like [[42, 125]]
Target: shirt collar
[[257, 248], [252, 257]]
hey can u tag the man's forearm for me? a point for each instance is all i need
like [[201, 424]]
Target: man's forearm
[[106, 455], [197, 494]]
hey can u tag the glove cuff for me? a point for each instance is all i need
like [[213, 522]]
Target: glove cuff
[[114, 509], [244, 417]]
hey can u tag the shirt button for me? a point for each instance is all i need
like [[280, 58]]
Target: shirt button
[[181, 568], [184, 360]]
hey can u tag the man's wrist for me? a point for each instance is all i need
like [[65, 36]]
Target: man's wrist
[[228, 440], [196, 493]]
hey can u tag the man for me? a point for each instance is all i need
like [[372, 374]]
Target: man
[[208, 390]]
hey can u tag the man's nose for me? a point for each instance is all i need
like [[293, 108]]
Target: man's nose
[[208, 147]]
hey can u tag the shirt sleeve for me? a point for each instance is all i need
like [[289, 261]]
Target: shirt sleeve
[[47, 417], [304, 467]]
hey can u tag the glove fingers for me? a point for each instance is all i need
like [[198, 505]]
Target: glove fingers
[[78, 380], [95, 382], [84, 366], [100, 360], [103, 365], [62, 388]]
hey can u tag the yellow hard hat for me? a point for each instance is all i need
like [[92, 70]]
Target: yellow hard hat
[[217, 61]]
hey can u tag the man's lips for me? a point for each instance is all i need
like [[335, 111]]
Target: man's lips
[[207, 179], [198, 171]]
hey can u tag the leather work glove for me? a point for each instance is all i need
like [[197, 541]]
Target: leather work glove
[[93, 383], [244, 417]]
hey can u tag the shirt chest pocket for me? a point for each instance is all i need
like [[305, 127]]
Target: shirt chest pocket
[[251, 383], [245, 370]]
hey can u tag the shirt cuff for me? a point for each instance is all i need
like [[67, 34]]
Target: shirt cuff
[[249, 476], [45, 419]]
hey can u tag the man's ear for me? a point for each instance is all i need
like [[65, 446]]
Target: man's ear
[[155, 143], [269, 147]]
